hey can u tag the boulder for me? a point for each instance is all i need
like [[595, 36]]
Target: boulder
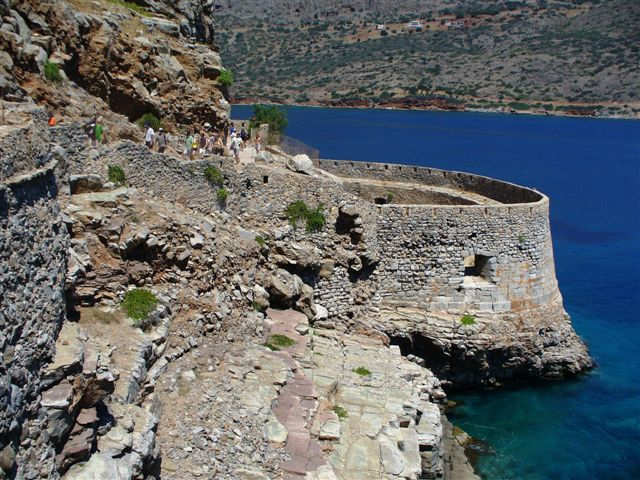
[[7, 458], [284, 288], [301, 164]]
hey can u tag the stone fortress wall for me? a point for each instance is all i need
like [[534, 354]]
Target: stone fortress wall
[[495, 257], [33, 259]]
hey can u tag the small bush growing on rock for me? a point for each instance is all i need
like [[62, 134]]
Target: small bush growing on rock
[[297, 211], [389, 197], [132, 6], [214, 176], [468, 319], [258, 307], [52, 71], [149, 119], [276, 342], [221, 195], [226, 78], [340, 412], [116, 174], [138, 305], [315, 219], [362, 371], [260, 241]]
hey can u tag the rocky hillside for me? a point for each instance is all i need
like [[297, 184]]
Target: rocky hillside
[[575, 57], [82, 58]]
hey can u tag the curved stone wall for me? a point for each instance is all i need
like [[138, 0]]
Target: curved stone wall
[[503, 192], [471, 289], [425, 246]]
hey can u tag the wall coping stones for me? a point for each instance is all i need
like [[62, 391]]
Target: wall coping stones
[[509, 194]]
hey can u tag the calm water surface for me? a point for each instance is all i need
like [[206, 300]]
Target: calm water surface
[[579, 430]]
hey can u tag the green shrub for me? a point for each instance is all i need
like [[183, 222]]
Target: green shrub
[[258, 307], [221, 195], [468, 319], [362, 371], [214, 176], [260, 241], [226, 78], [52, 72], [138, 304], [314, 218], [340, 412], [389, 197], [272, 115], [132, 6], [276, 342], [116, 174], [297, 211], [149, 119]]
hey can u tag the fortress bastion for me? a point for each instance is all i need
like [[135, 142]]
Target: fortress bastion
[[456, 245]]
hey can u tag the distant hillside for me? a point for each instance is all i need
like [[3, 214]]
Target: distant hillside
[[580, 56]]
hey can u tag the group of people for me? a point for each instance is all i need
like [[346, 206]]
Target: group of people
[[208, 142], [151, 138], [197, 143], [203, 143]]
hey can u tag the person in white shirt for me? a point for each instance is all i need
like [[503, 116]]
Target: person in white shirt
[[149, 136], [236, 145]]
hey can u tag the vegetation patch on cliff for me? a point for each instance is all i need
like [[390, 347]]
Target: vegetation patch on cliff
[[313, 217], [52, 72], [116, 175], [214, 176], [277, 342], [138, 305], [340, 412], [362, 371], [132, 6], [468, 320]]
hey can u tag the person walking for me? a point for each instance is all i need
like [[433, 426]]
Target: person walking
[[188, 146], [226, 134], [236, 145], [203, 143], [99, 131], [149, 137], [161, 140], [90, 129]]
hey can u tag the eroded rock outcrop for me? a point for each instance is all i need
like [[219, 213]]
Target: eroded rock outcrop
[[114, 61]]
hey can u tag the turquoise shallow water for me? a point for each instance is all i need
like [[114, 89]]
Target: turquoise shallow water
[[584, 429]]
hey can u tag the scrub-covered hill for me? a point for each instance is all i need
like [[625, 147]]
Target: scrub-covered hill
[[579, 56]]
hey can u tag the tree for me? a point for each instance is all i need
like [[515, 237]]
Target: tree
[[272, 115]]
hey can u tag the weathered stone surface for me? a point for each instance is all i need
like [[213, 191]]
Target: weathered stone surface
[[301, 164], [274, 431]]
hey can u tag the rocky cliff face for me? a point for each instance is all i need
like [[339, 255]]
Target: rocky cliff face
[[114, 60]]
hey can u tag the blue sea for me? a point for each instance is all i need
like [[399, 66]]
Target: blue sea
[[584, 429]]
